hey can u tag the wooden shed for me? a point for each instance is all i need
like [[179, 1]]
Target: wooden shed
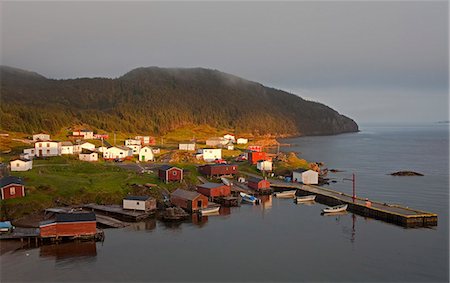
[[169, 173], [218, 169], [12, 187], [191, 201], [307, 177], [143, 203], [258, 183], [213, 190], [69, 225], [255, 156]]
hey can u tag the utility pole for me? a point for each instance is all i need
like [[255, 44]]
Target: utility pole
[[114, 138], [353, 179]]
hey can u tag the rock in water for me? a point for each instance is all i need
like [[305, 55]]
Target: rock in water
[[406, 173]]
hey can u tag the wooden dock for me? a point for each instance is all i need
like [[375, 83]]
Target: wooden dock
[[116, 211], [110, 222], [396, 214]]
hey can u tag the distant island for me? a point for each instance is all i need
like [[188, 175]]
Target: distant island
[[159, 100]]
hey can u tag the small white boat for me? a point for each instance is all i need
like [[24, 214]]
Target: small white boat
[[249, 198], [286, 194], [338, 208], [305, 198], [210, 210]]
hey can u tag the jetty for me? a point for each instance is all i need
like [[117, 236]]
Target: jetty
[[392, 213], [116, 211]]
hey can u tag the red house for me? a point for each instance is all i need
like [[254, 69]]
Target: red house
[[188, 200], [256, 148], [218, 169], [12, 187], [169, 173], [255, 156], [69, 225], [213, 190], [258, 183]]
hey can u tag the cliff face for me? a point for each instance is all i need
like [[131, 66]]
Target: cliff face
[[158, 100]]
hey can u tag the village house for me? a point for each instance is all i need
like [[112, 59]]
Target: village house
[[188, 200], [41, 137], [118, 152], [135, 148], [102, 149], [77, 148], [146, 154], [229, 137], [146, 140], [129, 142], [216, 141], [241, 141], [255, 156], [264, 165], [142, 203], [29, 153], [84, 134], [305, 176], [210, 154], [101, 136], [257, 148], [47, 148], [88, 155], [218, 169], [169, 173], [69, 225], [213, 190], [258, 183], [230, 145], [66, 147], [12, 187], [186, 146], [21, 165]]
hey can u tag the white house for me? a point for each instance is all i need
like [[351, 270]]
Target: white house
[[186, 146], [118, 152], [264, 165], [308, 177], [144, 203], [86, 145], [145, 140], [146, 154], [47, 148], [216, 141], [87, 155], [211, 154], [30, 151], [129, 142], [86, 134], [242, 141], [102, 149], [41, 137], [66, 147], [229, 137], [21, 165], [135, 148], [156, 150]]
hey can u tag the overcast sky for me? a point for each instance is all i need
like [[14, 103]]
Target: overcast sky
[[372, 61]]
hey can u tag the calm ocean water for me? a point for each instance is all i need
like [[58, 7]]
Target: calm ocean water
[[281, 241]]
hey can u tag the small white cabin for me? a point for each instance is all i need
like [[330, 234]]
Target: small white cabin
[[87, 155], [264, 165], [66, 147], [21, 165], [142, 203], [242, 141], [118, 152], [186, 146], [41, 137], [229, 137], [146, 154], [307, 177], [211, 154]]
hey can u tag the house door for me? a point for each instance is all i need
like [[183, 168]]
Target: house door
[[40, 152], [199, 204], [143, 157]]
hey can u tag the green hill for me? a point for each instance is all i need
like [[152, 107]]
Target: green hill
[[159, 100]]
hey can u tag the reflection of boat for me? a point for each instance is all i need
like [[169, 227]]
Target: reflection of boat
[[334, 209], [210, 210], [305, 198], [286, 194], [249, 198], [335, 213]]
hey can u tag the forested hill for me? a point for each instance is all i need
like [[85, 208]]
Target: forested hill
[[157, 100]]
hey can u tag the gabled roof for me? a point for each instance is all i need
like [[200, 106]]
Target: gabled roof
[[189, 195], [122, 147], [21, 159], [5, 181], [142, 198], [211, 185], [300, 170], [255, 180], [168, 167], [66, 143], [87, 151], [75, 217]]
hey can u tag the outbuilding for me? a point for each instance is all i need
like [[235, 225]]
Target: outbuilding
[[21, 165], [258, 183], [12, 187], [41, 137], [307, 177], [186, 146], [242, 141], [146, 154], [143, 203], [255, 156], [66, 147], [264, 165], [213, 190], [218, 169], [169, 173], [211, 154], [88, 155], [189, 200], [69, 225], [118, 152]]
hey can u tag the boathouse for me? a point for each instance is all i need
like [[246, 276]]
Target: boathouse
[[218, 169], [12, 187], [255, 156], [169, 173], [69, 225], [191, 201], [258, 183], [307, 177], [213, 190], [143, 203]]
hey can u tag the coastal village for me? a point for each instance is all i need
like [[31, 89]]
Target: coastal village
[[182, 181]]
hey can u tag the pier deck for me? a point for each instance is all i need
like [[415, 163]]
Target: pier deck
[[116, 211]]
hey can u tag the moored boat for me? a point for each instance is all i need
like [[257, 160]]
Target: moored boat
[[209, 210], [249, 198], [305, 198], [333, 209], [286, 194]]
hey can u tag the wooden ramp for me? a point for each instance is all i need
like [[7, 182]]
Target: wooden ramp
[[110, 222]]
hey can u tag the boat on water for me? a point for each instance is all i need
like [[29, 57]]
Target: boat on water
[[249, 198], [286, 194], [305, 198], [209, 210], [333, 209]]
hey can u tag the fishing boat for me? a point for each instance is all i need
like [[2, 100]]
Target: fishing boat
[[249, 198], [286, 194], [333, 209], [210, 210], [305, 198]]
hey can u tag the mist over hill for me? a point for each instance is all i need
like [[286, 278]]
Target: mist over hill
[[157, 100]]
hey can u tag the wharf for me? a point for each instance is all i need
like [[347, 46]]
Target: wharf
[[116, 211], [110, 222], [399, 215]]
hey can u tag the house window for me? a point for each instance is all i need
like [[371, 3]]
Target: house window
[[32, 151], [48, 151], [17, 164], [48, 145], [174, 173], [12, 191], [40, 144], [137, 203]]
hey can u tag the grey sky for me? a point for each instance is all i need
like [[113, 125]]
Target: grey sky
[[361, 58]]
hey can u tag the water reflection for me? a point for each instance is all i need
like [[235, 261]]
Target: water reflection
[[70, 252], [147, 225], [266, 201]]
